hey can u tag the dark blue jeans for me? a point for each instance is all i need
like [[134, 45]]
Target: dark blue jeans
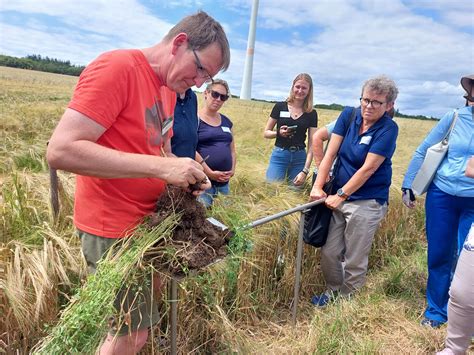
[[285, 164], [448, 219]]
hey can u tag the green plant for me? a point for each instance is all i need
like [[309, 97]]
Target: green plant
[[84, 321]]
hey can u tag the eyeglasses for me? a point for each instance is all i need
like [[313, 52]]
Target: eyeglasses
[[366, 102], [202, 73], [217, 95]]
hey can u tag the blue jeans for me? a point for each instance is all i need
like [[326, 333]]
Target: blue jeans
[[285, 165], [448, 219], [207, 198]]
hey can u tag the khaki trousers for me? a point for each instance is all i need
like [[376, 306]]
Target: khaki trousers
[[345, 256], [137, 307], [461, 302]]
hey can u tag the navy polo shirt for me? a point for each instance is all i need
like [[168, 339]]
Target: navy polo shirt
[[379, 139], [185, 126]]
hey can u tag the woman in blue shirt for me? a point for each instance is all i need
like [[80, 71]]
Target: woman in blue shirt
[[364, 146], [449, 204]]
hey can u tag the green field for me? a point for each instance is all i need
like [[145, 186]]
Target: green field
[[242, 305]]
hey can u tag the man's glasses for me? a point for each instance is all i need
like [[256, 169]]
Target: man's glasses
[[217, 95], [202, 73], [366, 102]]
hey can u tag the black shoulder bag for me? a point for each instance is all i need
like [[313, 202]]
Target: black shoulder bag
[[317, 219]]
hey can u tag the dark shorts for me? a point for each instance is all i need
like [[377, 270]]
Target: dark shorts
[[136, 309]]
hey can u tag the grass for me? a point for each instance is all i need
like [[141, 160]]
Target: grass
[[241, 305], [84, 322]]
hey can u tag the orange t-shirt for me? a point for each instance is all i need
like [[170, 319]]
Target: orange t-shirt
[[120, 91]]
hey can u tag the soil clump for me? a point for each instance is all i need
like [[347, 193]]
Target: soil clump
[[195, 242]]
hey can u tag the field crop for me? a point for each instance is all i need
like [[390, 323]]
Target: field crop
[[241, 305]]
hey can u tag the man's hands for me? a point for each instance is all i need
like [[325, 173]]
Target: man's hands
[[408, 197], [184, 172]]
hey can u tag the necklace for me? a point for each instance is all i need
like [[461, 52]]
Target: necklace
[[295, 112]]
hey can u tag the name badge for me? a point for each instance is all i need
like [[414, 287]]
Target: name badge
[[285, 114], [365, 140], [226, 129], [167, 124]]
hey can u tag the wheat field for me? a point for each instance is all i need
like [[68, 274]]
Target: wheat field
[[241, 305]]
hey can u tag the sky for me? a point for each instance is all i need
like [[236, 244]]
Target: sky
[[425, 46]]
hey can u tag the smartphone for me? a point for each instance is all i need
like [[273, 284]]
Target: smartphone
[[292, 128]]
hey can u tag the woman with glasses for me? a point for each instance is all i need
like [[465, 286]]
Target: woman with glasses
[[294, 119], [216, 147], [364, 143], [449, 203]]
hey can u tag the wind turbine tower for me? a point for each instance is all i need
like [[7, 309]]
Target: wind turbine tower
[[245, 92]]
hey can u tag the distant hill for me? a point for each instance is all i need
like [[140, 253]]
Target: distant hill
[[338, 107], [46, 64]]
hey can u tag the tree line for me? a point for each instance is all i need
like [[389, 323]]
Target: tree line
[[46, 64], [338, 107], [53, 65]]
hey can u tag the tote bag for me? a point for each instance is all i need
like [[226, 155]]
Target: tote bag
[[433, 158]]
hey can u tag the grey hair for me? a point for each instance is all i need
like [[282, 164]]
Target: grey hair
[[218, 82], [202, 31], [382, 85]]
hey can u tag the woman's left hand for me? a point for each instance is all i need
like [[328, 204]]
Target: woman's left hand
[[299, 179], [333, 201]]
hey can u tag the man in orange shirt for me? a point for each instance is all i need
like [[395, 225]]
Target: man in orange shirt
[[114, 133]]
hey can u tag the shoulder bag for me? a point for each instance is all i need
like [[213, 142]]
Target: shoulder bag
[[433, 158], [318, 218]]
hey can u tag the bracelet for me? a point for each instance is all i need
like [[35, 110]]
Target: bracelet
[[305, 170]]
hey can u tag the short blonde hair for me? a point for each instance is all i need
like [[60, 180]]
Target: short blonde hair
[[308, 101]]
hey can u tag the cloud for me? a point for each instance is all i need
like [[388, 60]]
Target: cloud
[[359, 40], [124, 24], [423, 46]]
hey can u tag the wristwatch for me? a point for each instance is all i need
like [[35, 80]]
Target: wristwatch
[[341, 193]]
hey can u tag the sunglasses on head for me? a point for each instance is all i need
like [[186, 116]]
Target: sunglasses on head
[[217, 95]]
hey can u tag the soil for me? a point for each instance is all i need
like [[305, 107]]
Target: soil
[[195, 242]]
